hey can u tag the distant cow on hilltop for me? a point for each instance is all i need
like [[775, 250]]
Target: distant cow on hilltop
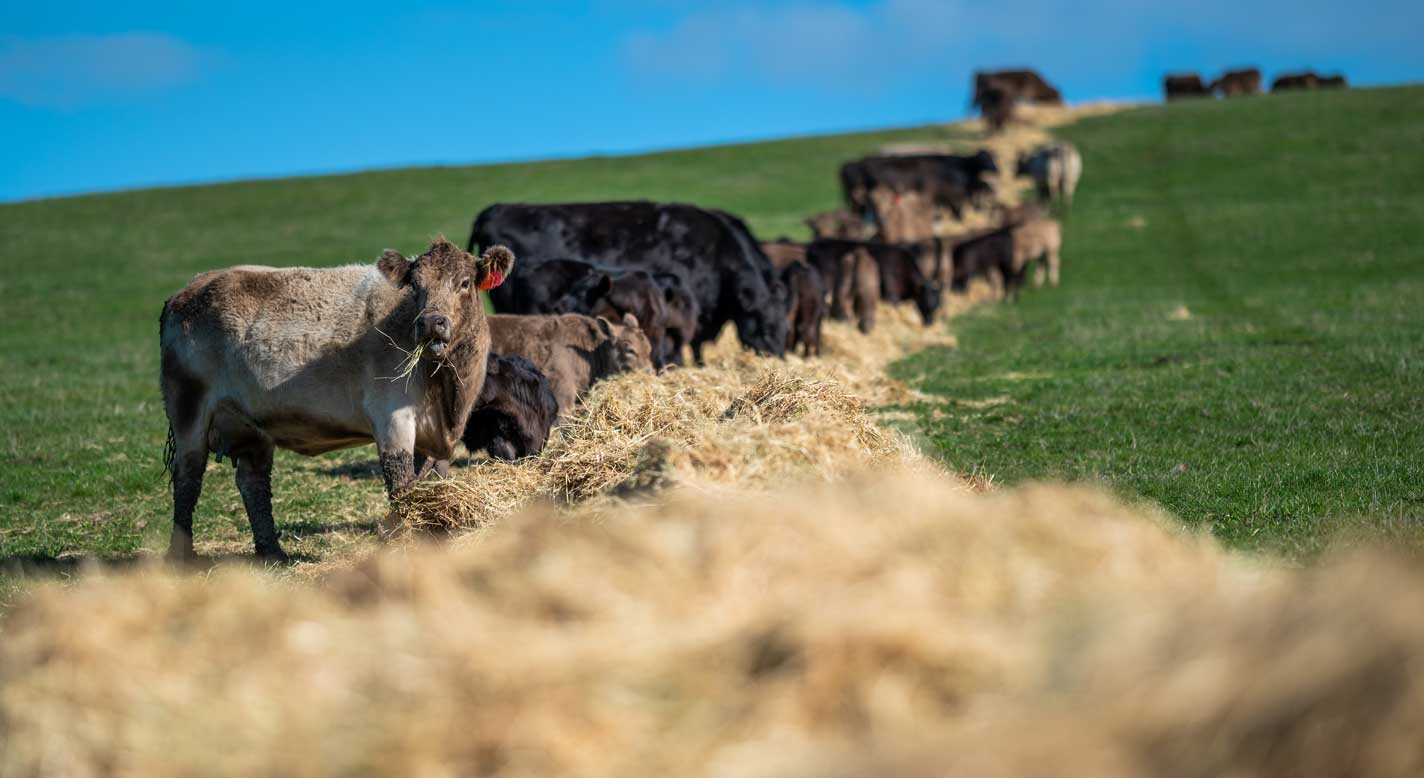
[[1182, 85], [1238, 83], [1016, 85]]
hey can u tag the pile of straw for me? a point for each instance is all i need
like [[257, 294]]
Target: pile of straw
[[740, 422], [889, 623]]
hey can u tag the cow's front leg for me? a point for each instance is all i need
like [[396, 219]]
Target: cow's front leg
[[395, 448], [424, 466], [254, 483]]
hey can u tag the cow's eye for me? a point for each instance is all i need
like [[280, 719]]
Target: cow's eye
[[465, 285]]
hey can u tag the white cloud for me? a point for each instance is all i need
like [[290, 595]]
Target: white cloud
[[75, 70]]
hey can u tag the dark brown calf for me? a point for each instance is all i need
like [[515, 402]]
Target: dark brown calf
[[806, 307], [514, 412]]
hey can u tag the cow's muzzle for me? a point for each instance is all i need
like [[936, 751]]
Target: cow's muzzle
[[434, 330]]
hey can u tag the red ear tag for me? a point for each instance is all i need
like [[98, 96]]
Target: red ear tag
[[495, 279]]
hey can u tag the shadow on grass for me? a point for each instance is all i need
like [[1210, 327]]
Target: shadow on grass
[[43, 566]]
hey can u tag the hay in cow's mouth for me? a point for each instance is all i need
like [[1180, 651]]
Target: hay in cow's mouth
[[412, 358]]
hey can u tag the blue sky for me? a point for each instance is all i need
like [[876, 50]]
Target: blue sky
[[99, 96]]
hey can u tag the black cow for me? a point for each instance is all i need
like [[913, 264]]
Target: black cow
[[948, 180], [988, 255], [710, 251], [901, 276], [805, 307], [514, 412], [1014, 85], [1180, 85]]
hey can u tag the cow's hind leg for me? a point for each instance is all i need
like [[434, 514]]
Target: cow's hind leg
[[254, 482], [189, 454], [184, 401]]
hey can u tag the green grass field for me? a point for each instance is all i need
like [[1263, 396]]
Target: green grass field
[[1240, 331], [1289, 228]]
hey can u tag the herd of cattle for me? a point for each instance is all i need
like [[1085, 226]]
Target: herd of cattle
[[1240, 83], [402, 353]]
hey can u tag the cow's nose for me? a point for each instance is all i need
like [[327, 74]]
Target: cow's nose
[[435, 325]]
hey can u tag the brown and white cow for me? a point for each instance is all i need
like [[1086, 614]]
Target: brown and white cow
[[571, 350], [1039, 241], [1055, 169], [258, 358]]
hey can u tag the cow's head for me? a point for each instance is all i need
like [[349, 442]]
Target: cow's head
[[682, 312], [761, 312], [984, 162], [631, 350], [928, 299], [446, 281], [614, 295]]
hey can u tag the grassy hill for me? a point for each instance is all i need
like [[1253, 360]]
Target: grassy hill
[[1240, 331], [1286, 229]]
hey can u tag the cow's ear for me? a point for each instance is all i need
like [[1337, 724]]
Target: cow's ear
[[493, 266], [601, 288], [629, 320], [394, 267], [604, 326]]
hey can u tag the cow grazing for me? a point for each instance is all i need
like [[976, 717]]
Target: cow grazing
[[902, 217], [258, 358], [989, 256], [1183, 85], [852, 276], [1305, 79], [898, 276], [1055, 169], [1037, 242], [1332, 82], [571, 350], [575, 286], [996, 107], [1289, 81], [1238, 83], [784, 252], [683, 314], [711, 251], [805, 308], [946, 180], [514, 412], [1015, 85], [839, 223]]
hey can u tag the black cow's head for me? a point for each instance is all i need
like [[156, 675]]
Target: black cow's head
[[761, 313], [928, 298]]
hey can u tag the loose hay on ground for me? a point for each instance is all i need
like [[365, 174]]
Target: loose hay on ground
[[814, 630]]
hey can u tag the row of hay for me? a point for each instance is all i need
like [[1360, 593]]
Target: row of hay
[[890, 623], [740, 422]]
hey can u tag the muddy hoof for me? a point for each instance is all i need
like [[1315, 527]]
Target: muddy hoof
[[273, 557]]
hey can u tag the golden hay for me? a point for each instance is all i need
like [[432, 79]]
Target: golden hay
[[827, 629], [740, 421]]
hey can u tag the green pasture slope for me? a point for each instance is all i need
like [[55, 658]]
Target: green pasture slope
[[1240, 331]]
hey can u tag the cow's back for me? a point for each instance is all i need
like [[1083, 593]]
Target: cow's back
[[264, 328]]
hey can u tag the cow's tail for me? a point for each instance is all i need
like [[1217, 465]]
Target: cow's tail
[[170, 446]]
